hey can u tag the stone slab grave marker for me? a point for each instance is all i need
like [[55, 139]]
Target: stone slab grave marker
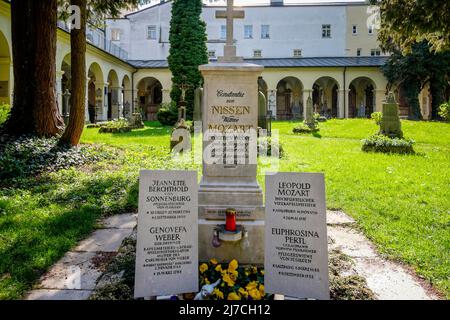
[[296, 246], [230, 122], [391, 125], [167, 240]]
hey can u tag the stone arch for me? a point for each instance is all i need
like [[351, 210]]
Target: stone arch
[[289, 98], [114, 92], [361, 97], [5, 70], [96, 93], [150, 97], [325, 96], [64, 83]]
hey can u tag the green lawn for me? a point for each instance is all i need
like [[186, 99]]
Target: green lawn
[[401, 202]]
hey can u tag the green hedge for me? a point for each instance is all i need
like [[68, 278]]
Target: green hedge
[[384, 144], [168, 114], [303, 128]]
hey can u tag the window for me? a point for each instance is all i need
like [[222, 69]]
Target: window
[[326, 31], [371, 29], [297, 53], [257, 54], [151, 32], [354, 29], [375, 52], [212, 54], [265, 31], [115, 34], [223, 32], [248, 32], [358, 52]]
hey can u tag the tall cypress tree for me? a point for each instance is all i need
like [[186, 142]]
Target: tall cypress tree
[[187, 49]]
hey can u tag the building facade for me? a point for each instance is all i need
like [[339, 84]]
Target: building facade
[[327, 51]]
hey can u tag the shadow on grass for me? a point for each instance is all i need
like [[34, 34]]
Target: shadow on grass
[[37, 234], [37, 244]]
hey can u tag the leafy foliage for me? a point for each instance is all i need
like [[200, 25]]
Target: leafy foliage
[[5, 109], [115, 126], [377, 116], [168, 114], [412, 71], [187, 49], [444, 111], [26, 156], [406, 22], [381, 143]]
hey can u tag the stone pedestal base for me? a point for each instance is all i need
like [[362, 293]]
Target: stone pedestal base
[[253, 254]]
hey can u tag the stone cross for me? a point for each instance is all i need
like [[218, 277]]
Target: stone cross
[[184, 87], [230, 14]]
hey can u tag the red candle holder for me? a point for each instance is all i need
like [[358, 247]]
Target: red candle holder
[[230, 225]]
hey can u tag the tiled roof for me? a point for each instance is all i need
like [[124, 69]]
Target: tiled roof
[[286, 62]]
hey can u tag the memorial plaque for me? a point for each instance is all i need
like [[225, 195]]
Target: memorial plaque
[[167, 241], [296, 247]]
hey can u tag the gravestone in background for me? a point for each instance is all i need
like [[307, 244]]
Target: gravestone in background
[[167, 240], [309, 114], [391, 125], [296, 244]]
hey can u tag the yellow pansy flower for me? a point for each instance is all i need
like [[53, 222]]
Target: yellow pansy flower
[[233, 265], [255, 294], [219, 268], [207, 281], [233, 275], [227, 279], [233, 296], [262, 272], [243, 292], [203, 268], [213, 261], [218, 293], [262, 290], [254, 269], [252, 286]]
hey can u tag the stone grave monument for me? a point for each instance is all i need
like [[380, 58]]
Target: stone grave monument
[[167, 239], [296, 253], [391, 125], [229, 190]]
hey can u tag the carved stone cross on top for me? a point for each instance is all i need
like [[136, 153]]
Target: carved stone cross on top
[[230, 14]]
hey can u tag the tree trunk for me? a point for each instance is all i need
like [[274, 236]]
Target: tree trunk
[[49, 122], [75, 126], [21, 120]]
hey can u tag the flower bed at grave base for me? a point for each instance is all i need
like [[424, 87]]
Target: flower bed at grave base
[[384, 144], [237, 282], [303, 128]]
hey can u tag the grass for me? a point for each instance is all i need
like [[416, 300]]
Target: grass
[[400, 202]]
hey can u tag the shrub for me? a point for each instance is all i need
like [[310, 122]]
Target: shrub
[[168, 114], [29, 155], [267, 142], [444, 111], [384, 144], [377, 116], [115, 126], [303, 128], [4, 112]]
